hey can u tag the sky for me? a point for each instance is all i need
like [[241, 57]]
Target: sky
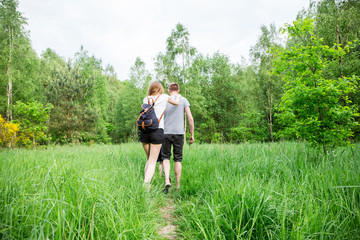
[[119, 31]]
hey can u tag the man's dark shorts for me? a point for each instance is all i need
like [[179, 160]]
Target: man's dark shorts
[[154, 137], [175, 140]]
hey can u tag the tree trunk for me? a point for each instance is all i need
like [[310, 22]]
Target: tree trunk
[[68, 126], [9, 74], [270, 100], [34, 140], [183, 59]]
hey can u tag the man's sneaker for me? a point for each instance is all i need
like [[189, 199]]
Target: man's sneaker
[[166, 189]]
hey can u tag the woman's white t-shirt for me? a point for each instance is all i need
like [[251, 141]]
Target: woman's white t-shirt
[[160, 106]]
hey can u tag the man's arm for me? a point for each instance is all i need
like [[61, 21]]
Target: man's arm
[[191, 123]]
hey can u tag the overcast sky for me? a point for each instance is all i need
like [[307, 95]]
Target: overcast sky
[[119, 31]]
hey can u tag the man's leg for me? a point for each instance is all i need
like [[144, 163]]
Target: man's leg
[[160, 161], [161, 168], [166, 160], [178, 151], [177, 169]]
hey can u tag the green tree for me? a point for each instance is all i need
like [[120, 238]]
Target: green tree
[[114, 88], [73, 118], [199, 80], [164, 69], [253, 125], [312, 102], [223, 94], [130, 100], [179, 55], [338, 21], [18, 62], [127, 111], [267, 88], [32, 117], [91, 68], [140, 77]]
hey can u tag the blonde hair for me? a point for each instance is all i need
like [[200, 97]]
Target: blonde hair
[[155, 88]]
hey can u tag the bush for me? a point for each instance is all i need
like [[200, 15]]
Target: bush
[[8, 132]]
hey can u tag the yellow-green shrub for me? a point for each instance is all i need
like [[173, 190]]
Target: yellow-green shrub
[[8, 132]]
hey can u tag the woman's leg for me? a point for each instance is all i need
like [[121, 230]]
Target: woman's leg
[[146, 147], [151, 162]]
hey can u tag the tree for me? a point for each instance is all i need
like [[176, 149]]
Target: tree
[[127, 111], [221, 90], [313, 102], [179, 52], [32, 117], [130, 100], [73, 118], [114, 89], [199, 80], [12, 38], [139, 76], [164, 69], [268, 88], [338, 21], [91, 68]]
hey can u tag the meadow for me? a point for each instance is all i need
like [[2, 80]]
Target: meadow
[[246, 191]]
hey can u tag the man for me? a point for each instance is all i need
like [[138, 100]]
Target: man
[[174, 135]]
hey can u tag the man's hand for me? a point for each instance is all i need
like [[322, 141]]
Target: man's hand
[[192, 140]]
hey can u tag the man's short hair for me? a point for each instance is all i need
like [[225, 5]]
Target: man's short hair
[[174, 87]]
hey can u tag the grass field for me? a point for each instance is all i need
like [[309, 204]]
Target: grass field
[[246, 191]]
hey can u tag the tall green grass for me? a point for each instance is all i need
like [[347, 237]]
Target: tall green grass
[[269, 191], [77, 193], [246, 191]]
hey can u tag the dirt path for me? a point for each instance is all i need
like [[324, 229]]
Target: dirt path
[[168, 231]]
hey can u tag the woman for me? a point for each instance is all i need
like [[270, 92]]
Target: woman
[[153, 140]]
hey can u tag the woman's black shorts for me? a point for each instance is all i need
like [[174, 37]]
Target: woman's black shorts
[[154, 137]]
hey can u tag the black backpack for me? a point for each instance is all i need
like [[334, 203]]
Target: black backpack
[[147, 120]]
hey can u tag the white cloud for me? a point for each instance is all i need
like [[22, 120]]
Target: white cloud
[[118, 31]]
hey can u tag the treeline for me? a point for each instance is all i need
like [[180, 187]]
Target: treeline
[[304, 86]]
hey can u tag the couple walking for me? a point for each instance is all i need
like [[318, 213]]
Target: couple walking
[[170, 132]]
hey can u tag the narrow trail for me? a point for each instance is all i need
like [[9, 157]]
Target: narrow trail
[[168, 231]]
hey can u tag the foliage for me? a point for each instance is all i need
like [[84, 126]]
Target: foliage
[[33, 117], [338, 22], [230, 102], [91, 68], [19, 65], [252, 128], [73, 118], [127, 111], [267, 89], [319, 105], [8, 131]]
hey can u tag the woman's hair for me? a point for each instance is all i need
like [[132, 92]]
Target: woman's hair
[[155, 88], [174, 87]]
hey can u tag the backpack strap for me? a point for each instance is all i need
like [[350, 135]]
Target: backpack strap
[[152, 99], [161, 116], [154, 104]]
